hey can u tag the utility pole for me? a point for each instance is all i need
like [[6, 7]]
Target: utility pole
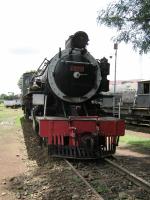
[[114, 98]]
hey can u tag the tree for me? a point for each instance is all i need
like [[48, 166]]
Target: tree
[[20, 82], [131, 18], [3, 96]]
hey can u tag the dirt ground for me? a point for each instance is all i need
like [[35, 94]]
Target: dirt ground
[[27, 173], [11, 157], [128, 150]]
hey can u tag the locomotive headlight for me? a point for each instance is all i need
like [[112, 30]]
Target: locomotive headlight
[[78, 74]]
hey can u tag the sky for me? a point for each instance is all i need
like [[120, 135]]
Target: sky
[[31, 30]]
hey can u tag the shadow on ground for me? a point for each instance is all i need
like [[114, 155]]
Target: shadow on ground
[[142, 147], [32, 141], [143, 129]]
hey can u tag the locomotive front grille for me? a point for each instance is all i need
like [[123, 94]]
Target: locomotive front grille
[[77, 152]]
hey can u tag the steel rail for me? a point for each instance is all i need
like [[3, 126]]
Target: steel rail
[[84, 180], [133, 177]]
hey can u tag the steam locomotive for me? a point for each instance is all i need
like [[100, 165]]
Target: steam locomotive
[[60, 99]]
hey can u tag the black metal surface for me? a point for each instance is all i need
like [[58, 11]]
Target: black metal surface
[[64, 75], [78, 40], [79, 152]]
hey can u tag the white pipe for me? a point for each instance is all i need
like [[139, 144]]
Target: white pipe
[[45, 104]]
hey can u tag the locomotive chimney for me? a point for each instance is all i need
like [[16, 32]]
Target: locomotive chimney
[[78, 40]]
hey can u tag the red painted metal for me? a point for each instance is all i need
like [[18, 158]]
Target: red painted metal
[[84, 126], [55, 129], [111, 126]]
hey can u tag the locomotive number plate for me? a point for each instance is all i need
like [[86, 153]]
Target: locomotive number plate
[[77, 68]]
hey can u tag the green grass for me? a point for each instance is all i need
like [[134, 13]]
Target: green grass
[[5, 112], [135, 141], [100, 187], [11, 115], [76, 179], [17, 121]]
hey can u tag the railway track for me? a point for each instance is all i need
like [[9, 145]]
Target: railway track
[[108, 180], [98, 196], [131, 176]]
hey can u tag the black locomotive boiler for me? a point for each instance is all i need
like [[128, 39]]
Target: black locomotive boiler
[[60, 98]]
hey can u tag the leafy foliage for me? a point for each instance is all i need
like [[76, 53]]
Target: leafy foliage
[[11, 96], [3, 96], [131, 18], [20, 83]]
